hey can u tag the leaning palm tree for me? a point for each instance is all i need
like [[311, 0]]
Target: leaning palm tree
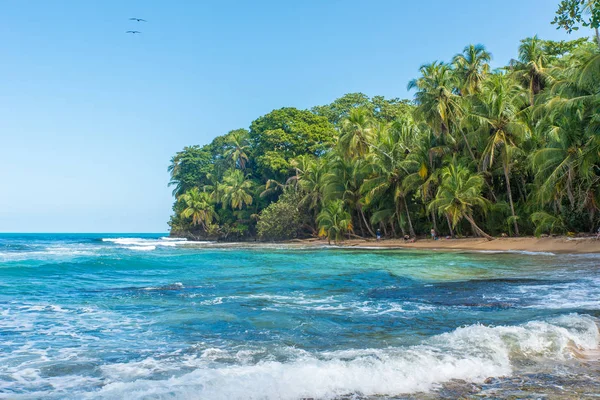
[[334, 221], [388, 173], [198, 206], [498, 116], [472, 67], [236, 190], [458, 193]]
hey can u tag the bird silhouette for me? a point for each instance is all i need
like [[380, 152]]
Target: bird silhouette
[[133, 32], [137, 19]]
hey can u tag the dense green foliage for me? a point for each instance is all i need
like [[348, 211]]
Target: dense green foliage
[[572, 13], [283, 219], [478, 151]]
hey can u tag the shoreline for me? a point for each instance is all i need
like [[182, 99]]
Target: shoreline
[[526, 244], [561, 244]]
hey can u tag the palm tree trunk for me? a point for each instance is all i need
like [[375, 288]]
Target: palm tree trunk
[[450, 226], [400, 223], [468, 145], [362, 214], [360, 225], [478, 229], [510, 199], [410, 226], [435, 222], [597, 38]]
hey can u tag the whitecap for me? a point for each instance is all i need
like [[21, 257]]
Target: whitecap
[[472, 353], [141, 248]]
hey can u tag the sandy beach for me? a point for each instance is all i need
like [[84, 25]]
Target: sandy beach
[[533, 244]]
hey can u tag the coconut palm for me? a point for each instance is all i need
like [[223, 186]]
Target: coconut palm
[[236, 190], [533, 66], [342, 181], [497, 115], [438, 104], [334, 221], [458, 193], [239, 147], [198, 206], [388, 173], [310, 172], [472, 67], [356, 132]]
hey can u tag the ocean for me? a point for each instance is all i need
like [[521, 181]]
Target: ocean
[[144, 316]]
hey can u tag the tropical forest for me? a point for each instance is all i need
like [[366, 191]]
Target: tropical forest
[[478, 151]]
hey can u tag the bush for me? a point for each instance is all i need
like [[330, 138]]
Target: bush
[[281, 220]]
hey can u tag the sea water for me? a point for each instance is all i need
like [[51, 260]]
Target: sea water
[[114, 316]]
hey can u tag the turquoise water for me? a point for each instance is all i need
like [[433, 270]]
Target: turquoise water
[[108, 316]]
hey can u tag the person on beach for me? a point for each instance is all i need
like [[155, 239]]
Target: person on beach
[[378, 234], [433, 234]]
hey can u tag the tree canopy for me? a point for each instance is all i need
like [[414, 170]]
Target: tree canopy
[[476, 152]]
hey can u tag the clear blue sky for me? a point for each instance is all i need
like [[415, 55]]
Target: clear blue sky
[[90, 116]]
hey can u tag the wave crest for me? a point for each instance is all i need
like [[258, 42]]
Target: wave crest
[[471, 353]]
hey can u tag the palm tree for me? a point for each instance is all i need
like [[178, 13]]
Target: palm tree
[[239, 147], [342, 181], [532, 67], [356, 132], [438, 104], [567, 164], [458, 193], [497, 114], [388, 173], [310, 172], [472, 67], [236, 189], [423, 176], [334, 221], [198, 206]]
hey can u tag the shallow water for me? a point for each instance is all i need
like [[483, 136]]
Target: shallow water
[[140, 316]]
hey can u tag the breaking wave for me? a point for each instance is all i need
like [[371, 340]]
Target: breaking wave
[[471, 353]]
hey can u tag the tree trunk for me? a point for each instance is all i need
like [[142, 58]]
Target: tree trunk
[[597, 38], [362, 214], [450, 226], [360, 225], [468, 145], [410, 226], [510, 199], [400, 224], [478, 229], [434, 221]]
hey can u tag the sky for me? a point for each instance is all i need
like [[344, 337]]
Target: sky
[[90, 116]]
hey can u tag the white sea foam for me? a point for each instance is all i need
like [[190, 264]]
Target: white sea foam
[[173, 239], [145, 244], [472, 353], [569, 295], [524, 252], [141, 248]]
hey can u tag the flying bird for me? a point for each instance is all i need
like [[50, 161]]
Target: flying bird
[[137, 19], [133, 32]]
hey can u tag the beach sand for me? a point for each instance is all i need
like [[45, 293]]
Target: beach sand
[[533, 244]]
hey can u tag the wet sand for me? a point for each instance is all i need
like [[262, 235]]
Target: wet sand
[[533, 244]]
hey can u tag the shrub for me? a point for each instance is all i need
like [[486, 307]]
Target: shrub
[[281, 220]]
